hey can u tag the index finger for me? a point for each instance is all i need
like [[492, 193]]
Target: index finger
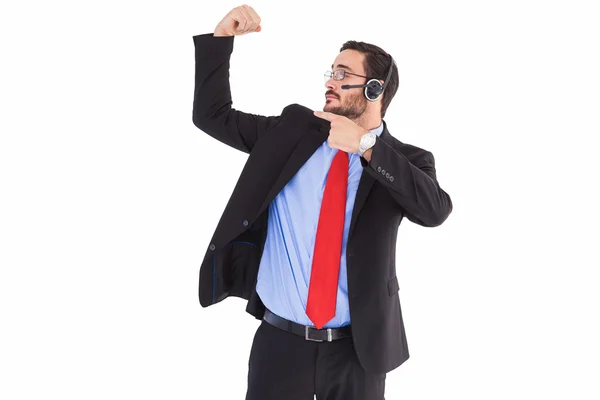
[[325, 115]]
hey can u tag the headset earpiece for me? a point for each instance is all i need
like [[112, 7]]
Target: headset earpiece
[[373, 90]]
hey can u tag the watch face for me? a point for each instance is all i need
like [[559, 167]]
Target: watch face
[[366, 142], [369, 140]]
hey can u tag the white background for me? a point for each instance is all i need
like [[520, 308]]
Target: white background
[[110, 194]]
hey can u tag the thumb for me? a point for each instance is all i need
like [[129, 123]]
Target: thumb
[[258, 29]]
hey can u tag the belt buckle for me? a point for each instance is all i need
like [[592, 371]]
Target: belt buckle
[[329, 335]]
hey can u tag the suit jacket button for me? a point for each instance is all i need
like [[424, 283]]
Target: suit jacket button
[[387, 175], [378, 169], [211, 247], [383, 172], [391, 178], [245, 222]]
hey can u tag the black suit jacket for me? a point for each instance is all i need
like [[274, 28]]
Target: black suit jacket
[[399, 181]]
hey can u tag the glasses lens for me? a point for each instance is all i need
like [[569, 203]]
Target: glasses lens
[[339, 74], [327, 75]]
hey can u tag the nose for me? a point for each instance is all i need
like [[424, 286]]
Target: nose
[[330, 84]]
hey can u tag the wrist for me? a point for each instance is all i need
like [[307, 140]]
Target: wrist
[[367, 141], [220, 33]]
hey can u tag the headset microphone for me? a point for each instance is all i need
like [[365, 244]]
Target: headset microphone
[[373, 88]]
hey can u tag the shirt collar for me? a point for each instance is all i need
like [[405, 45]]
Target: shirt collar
[[378, 130]]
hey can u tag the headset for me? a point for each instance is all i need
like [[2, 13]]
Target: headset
[[373, 88]]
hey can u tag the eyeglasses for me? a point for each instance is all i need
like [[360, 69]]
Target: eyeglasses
[[340, 74]]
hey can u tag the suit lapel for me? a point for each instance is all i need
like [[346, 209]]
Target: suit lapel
[[317, 133], [365, 184], [364, 187]]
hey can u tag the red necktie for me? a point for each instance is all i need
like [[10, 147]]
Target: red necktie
[[322, 291]]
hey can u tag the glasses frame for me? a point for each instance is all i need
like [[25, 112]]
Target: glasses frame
[[331, 74]]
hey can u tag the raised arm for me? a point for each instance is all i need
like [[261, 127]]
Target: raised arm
[[212, 108]]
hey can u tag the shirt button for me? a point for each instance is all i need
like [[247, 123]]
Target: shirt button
[[245, 223], [211, 247]]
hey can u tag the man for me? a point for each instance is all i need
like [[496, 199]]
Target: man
[[330, 189]]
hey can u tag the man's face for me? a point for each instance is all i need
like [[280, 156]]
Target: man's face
[[350, 103]]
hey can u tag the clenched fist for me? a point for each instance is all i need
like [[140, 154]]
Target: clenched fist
[[239, 21]]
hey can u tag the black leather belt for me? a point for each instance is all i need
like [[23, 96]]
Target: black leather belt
[[308, 332]]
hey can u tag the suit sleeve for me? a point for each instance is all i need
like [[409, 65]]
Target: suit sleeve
[[212, 107], [413, 187]]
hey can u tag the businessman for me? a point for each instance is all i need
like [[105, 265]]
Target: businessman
[[308, 236]]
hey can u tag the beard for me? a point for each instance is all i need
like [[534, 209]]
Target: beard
[[352, 108]]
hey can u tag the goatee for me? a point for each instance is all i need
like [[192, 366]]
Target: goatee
[[353, 108]]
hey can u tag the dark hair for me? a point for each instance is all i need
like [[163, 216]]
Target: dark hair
[[376, 64]]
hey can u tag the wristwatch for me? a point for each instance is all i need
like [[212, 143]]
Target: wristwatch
[[366, 142]]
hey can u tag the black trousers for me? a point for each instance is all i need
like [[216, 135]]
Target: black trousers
[[284, 366]]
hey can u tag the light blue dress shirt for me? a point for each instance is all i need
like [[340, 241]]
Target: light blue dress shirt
[[284, 271]]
